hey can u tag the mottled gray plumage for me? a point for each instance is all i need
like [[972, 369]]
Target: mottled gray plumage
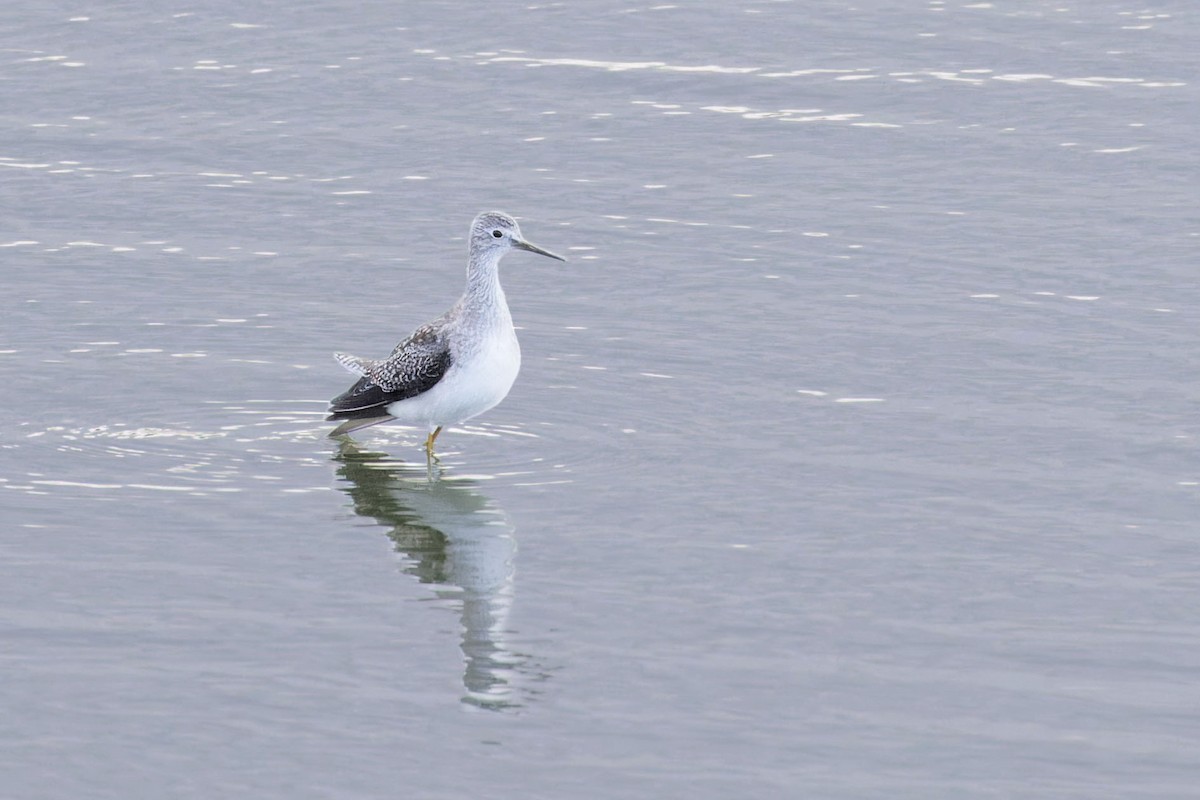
[[418, 361], [457, 366]]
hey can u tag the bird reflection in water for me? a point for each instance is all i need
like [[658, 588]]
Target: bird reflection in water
[[453, 538]]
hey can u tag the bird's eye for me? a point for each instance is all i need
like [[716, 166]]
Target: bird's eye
[[497, 234]]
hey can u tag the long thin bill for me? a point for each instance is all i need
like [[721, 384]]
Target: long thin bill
[[533, 248]]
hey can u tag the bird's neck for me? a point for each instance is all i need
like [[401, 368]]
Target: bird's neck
[[483, 294]]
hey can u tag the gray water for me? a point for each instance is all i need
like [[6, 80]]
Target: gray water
[[854, 453]]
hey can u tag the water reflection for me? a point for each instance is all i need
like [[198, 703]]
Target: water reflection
[[454, 538]]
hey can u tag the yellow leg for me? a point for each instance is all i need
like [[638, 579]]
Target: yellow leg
[[430, 440]]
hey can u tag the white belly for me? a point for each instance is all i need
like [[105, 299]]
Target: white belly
[[469, 388]]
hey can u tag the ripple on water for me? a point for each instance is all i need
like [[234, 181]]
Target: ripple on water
[[120, 459], [253, 446], [459, 458]]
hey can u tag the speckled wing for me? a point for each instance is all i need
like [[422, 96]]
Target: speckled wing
[[414, 367]]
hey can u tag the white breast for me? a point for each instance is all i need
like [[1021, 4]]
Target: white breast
[[476, 382]]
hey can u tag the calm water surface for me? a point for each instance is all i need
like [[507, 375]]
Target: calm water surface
[[854, 452]]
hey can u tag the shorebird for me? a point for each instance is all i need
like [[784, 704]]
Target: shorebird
[[454, 368]]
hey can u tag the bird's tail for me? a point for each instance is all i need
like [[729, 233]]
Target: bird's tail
[[353, 364]]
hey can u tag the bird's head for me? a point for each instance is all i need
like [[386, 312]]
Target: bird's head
[[494, 230]]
